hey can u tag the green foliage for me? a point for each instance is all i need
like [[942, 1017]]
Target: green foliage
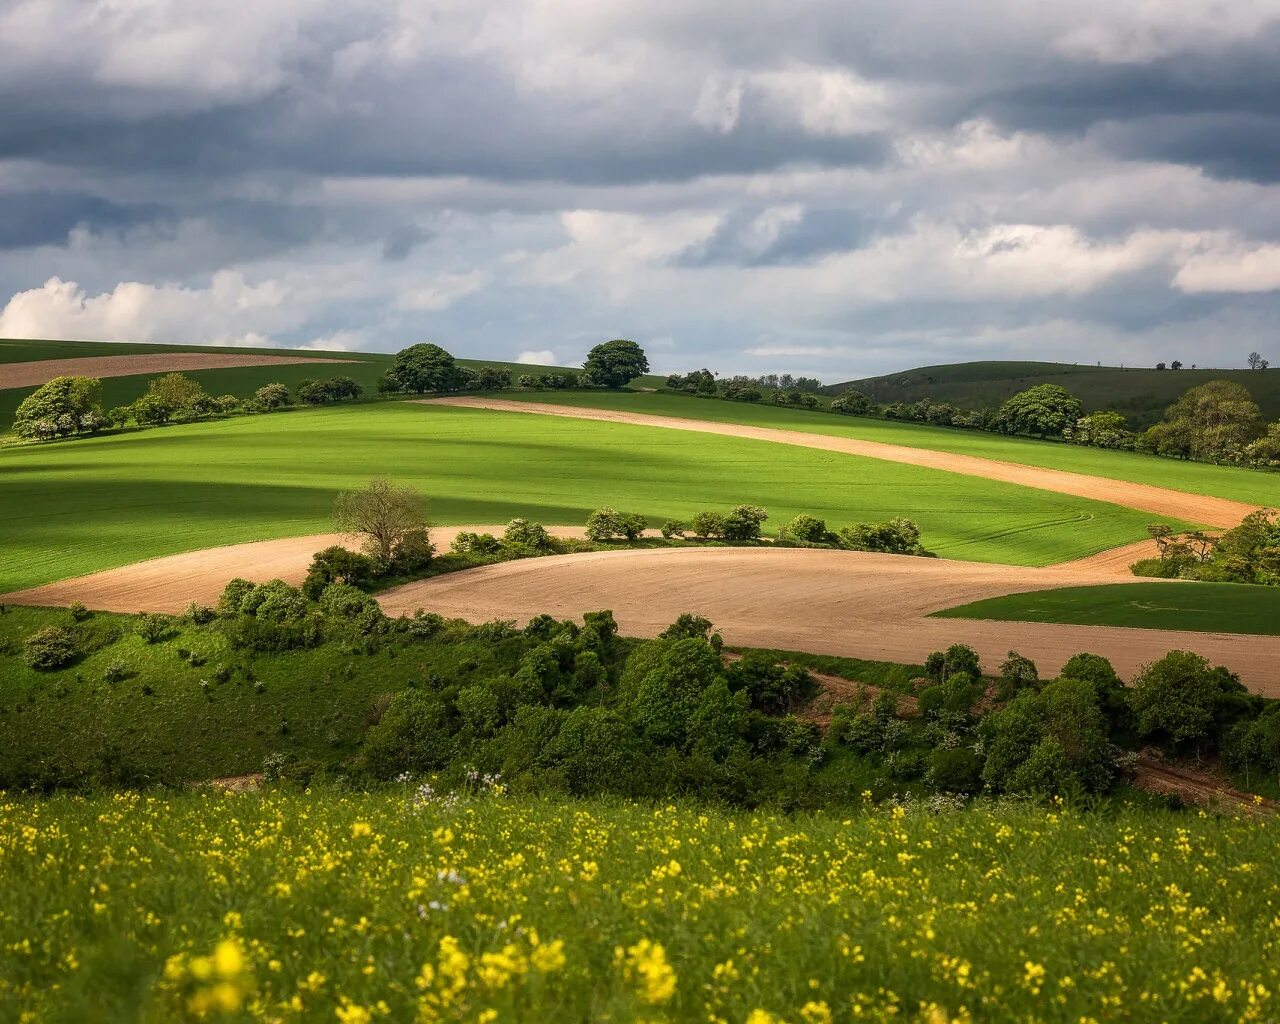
[[273, 601], [337, 564], [615, 364], [413, 735], [743, 522], [771, 688], [1181, 699], [674, 529], [1215, 422], [179, 395], [335, 389], [899, 536], [272, 396], [62, 407], [709, 525], [1048, 742], [958, 658], [424, 367], [154, 628], [608, 524], [468, 542], [1046, 410], [50, 648], [807, 529], [1019, 673], [523, 534]]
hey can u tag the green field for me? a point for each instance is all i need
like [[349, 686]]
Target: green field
[[1141, 393], [79, 506], [359, 907], [1248, 485], [1202, 607], [241, 381]]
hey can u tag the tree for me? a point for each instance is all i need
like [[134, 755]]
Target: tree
[[614, 364], [1179, 697], [424, 367], [1101, 430], [61, 407], [1044, 409], [1176, 364], [896, 537], [179, 392], [1160, 366], [384, 513], [151, 410], [743, 522], [337, 564], [1214, 421], [1256, 362], [1266, 450], [853, 403]]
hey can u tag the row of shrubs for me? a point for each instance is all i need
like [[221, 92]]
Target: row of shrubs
[[1248, 553]]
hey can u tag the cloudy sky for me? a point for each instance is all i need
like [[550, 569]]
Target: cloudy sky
[[836, 188]]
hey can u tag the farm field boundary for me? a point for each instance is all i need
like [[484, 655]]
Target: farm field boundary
[[41, 371]]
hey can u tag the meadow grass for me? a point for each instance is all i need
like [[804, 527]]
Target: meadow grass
[[1203, 607], [403, 905], [79, 506], [1256, 486]]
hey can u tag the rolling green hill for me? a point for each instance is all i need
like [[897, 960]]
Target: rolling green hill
[[1141, 393], [79, 506], [240, 381]]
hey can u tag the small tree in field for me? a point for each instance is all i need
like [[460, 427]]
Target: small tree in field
[[614, 364], [383, 513]]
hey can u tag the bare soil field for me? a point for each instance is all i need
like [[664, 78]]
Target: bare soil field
[[168, 584], [1162, 501], [33, 374], [846, 603]]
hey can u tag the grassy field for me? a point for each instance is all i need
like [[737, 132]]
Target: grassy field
[[1248, 485], [78, 506], [1141, 393], [240, 381], [363, 907], [1203, 607]]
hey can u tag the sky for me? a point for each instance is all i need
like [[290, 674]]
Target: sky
[[831, 188]]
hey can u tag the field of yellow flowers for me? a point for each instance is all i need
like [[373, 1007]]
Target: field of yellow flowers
[[408, 905]]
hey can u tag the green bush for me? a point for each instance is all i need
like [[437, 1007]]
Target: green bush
[[674, 529], [1181, 699], [807, 529], [51, 647], [484, 545], [337, 564], [198, 614], [743, 522], [343, 601], [274, 601], [521, 533], [772, 688], [1017, 673], [480, 708], [896, 537], [609, 524], [78, 611], [154, 628], [957, 770], [414, 735], [233, 595], [413, 551], [708, 525], [1160, 568]]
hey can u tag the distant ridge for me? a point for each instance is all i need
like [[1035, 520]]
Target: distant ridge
[[1141, 393]]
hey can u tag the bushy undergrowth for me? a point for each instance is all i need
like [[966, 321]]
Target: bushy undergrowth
[[410, 905]]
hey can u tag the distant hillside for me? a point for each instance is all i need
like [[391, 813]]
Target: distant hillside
[[240, 381], [1141, 394]]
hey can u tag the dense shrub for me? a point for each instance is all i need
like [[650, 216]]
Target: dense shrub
[[772, 688], [896, 537], [343, 601], [198, 614], [608, 524], [337, 564], [807, 529], [51, 647], [521, 533], [743, 522], [154, 628], [1181, 699], [274, 601], [708, 525], [955, 770], [414, 735], [412, 551], [958, 658], [674, 529], [482, 544], [1017, 673], [78, 611]]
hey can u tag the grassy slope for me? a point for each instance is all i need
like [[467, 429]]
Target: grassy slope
[[1011, 912], [79, 506], [240, 381], [1255, 486], [1142, 394], [1204, 607]]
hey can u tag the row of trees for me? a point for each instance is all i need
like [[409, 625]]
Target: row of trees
[[1248, 553]]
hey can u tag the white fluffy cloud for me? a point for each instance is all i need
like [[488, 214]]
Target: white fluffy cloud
[[537, 357], [1239, 268]]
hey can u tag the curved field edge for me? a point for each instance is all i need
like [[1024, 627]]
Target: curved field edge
[[82, 506], [1192, 606], [752, 911], [1254, 486]]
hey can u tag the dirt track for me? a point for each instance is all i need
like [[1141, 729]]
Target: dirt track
[[1194, 508], [825, 602], [41, 371]]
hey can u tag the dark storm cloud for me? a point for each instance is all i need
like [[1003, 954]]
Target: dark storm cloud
[[44, 218]]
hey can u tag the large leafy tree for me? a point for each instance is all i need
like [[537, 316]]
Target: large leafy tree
[[424, 367], [1214, 421], [1046, 409], [384, 514], [63, 406], [614, 364]]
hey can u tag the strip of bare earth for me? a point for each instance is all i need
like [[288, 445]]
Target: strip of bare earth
[[41, 371]]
